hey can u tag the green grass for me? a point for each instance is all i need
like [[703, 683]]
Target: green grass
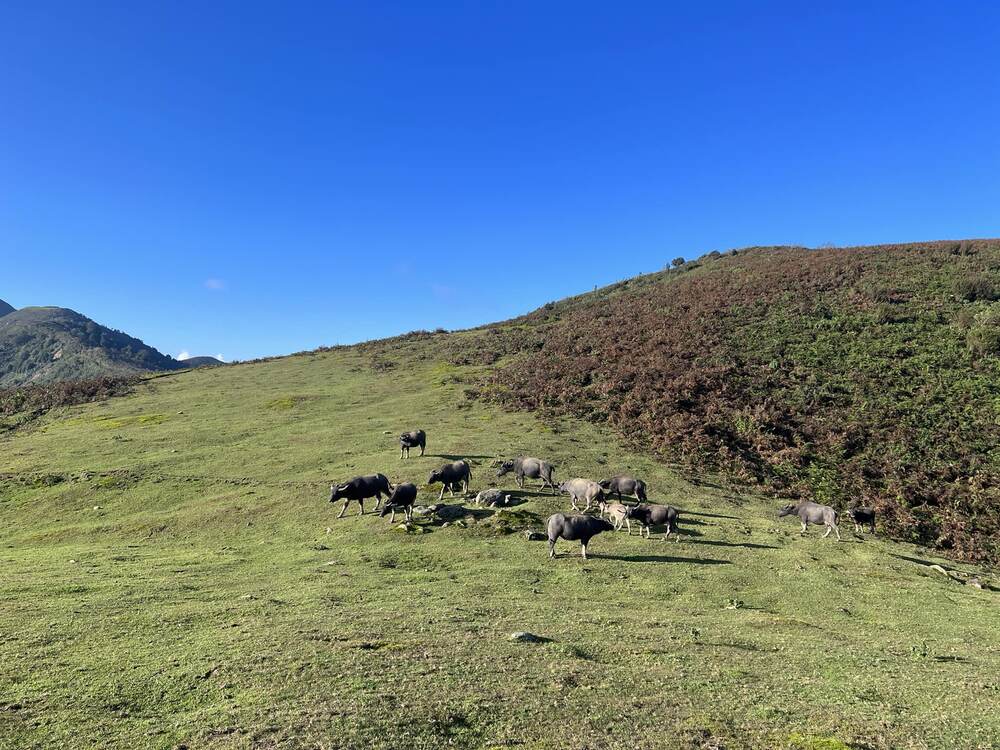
[[180, 579]]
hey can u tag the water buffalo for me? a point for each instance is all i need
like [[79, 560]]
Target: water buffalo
[[654, 515], [582, 489], [809, 512], [862, 517], [402, 498], [457, 472], [492, 497], [619, 515], [411, 440], [623, 484], [532, 468], [573, 528], [360, 488]]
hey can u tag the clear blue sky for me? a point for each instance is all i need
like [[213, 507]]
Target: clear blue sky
[[251, 179]]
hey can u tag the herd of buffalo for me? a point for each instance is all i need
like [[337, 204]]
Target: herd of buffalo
[[573, 527]]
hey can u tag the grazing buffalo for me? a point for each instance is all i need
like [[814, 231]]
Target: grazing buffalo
[[654, 515], [623, 484], [582, 489], [862, 517], [412, 440], [619, 515], [402, 498], [809, 512], [532, 468], [455, 473], [492, 497], [573, 528], [360, 488]]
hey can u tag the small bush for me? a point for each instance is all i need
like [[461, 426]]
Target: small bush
[[976, 289]]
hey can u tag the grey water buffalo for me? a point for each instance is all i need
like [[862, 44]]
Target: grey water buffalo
[[862, 517], [402, 498], [532, 468], [492, 497], [580, 489], [619, 515], [647, 515], [360, 489], [623, 484], [574, 528], [414, 439], [455, 473], [809, 512]]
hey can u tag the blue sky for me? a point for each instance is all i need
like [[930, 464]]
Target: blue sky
[[252, 179]]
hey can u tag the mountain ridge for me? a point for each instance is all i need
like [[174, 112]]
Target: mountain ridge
[[48, 344]]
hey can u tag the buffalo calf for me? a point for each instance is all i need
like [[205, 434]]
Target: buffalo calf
[[402, 498], [862, 517]]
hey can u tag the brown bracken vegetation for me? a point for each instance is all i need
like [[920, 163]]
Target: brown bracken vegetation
[[853, 376]]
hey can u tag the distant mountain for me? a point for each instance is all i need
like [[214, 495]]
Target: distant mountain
[[201, 362], [46, 344]]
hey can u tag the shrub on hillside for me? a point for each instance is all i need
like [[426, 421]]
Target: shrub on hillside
[[41, 398]]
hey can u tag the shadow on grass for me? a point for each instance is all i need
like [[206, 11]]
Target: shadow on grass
[[662, 559], [746, 545], [706, 515], [534, 493], [920, 561], [455, 457]]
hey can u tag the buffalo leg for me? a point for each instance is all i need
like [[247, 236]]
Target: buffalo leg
[[628, 525], [804, 527], [441, 496], [392, 515], [583, 549], [361, 503], [552, 548], [343, 508]]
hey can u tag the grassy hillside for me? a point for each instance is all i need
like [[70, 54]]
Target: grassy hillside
[[49, 344], [851, 376], [172, 575]]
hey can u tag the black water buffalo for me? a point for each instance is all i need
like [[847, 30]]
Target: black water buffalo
[[360, 488], [582, 489], [654, 515], [862, 517], [532, 468], [402, 498], [623, 484], [573, 528], [412, 440], [455, 473], [809, 512]]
